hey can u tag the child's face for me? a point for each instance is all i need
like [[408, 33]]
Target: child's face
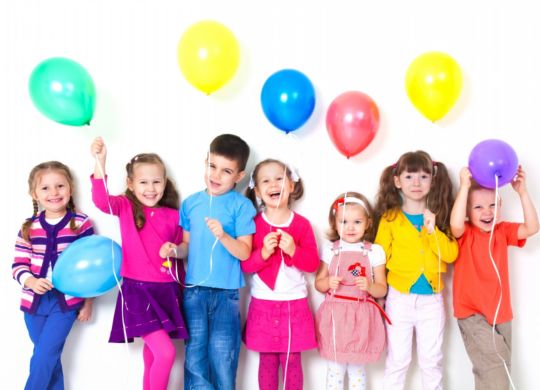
[[273, 186], [351, 226], [221, 174], [148, 183], [53, 192], [481, 209], [413, 185]]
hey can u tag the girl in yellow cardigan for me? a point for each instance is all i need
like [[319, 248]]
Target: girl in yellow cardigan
[[413, 208]]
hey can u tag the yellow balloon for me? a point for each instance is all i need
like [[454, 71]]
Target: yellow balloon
[[433, 83], [208, 55]]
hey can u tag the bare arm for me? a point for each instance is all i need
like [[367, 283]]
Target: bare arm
[[530, 223], [323, 280], [459, 210], [379, 288]]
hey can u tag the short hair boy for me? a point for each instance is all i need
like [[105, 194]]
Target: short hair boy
[[218, 227]]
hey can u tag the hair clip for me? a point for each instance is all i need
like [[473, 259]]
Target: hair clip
[[435, 165], [251, 184], [294, 174], [348, 199]]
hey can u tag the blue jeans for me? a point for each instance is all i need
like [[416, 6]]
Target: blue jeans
[[213, 321], [48, 328]]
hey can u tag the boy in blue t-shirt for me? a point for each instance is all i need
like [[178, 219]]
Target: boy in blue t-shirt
[[218, 227]]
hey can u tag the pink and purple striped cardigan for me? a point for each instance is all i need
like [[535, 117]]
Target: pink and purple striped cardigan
[[46, 243]]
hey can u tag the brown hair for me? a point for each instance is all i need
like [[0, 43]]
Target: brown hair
[[333, 232], [440, 199], [296, 193], [33, 178], [232, 147], [170, 196]]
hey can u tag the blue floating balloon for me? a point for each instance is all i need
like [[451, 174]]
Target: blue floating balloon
[[288, 99], [87, 267], [491, 158]]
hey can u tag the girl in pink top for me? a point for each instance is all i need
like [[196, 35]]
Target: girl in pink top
[[350, 328], [149, 306], [280, 324]]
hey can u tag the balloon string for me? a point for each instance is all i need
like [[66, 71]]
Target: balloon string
[[500, 283], [116, 278], [341, 227], [211, 261]]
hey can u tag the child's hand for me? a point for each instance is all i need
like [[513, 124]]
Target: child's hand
[[39, 286], [270, 242], [286, 243], [86, 311], [98, 149], [215, 227], [167, 250], [518, 183], [429, 221], [363, 283], [465, 178], [333, 282]]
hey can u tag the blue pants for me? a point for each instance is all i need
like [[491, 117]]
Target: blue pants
[[213, 322], [48, 329]]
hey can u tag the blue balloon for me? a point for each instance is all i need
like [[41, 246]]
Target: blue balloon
[[491, 158], [85, 268], [288, 99]]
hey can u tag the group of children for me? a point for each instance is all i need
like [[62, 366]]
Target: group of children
[[397, 250]]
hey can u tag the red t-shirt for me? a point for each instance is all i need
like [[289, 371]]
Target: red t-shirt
[[476, 286]]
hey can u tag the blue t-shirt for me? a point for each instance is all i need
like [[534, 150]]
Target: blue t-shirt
[[421, 286], [236, 213]]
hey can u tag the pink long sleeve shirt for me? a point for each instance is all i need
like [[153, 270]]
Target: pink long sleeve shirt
[[140, 248], [305, 258]]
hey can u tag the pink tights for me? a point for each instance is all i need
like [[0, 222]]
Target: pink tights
[[158, 355], [269, 370]]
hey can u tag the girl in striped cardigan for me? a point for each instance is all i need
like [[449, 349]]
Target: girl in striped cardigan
[[48, 314]]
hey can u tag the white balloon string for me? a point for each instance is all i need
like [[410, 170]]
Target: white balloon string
[[288, 347], [500, 282], [116, 278], [341, 227]]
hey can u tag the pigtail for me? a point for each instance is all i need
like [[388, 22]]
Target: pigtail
[[440, 198], [388, 198], [73, 221], [25, 228], [170, 198], [250, 194]]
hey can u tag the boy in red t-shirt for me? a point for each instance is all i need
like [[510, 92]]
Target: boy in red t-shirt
[[481, 296]]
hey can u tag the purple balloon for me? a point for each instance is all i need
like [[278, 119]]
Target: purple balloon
[[491, 158]]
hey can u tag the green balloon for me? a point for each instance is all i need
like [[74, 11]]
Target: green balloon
[[63, 91]]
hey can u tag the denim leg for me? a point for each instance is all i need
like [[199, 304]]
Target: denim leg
[[196, 366], [224, 342], [48, 329]]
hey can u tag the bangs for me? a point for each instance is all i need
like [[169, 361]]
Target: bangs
[[415, 162]]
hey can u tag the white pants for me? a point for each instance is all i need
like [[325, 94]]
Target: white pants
[[423, 314], [335, 376]]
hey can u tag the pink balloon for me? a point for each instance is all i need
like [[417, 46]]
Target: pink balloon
[[352, 120]]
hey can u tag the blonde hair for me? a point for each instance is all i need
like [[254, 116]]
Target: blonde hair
[[35, 174]]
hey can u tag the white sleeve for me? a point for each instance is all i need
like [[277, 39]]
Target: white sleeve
[[327, 253], [376, 255]]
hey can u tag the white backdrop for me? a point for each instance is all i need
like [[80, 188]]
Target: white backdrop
[[145, 104]]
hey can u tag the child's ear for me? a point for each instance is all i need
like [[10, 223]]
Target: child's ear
[[397, 182], [241, 175], [129, 183]]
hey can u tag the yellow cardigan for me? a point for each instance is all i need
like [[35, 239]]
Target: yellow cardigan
[[410, 253]]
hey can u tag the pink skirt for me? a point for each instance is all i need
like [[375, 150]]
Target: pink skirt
[[359, 331], [267, 326]]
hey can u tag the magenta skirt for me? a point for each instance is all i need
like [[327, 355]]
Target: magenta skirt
[[267, 326], [148, 306]]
